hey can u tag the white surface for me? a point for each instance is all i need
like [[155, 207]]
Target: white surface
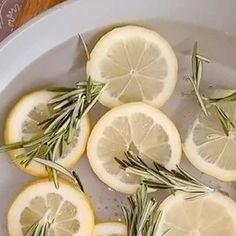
[[45, 51]]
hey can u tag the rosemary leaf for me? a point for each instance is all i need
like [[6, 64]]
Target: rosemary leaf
[[199, 73], [224, 119], [59, 168], [12, 146], [85, 47], [60, 89], [229, 98], [194, 63], [204, 59]]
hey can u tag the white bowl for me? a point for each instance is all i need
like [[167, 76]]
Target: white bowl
[[46, 51]]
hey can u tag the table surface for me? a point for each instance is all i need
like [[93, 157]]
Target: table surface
[[9, 9]]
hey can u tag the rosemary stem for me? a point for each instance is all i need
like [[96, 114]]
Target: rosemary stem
[[199, 97], [158, 177]]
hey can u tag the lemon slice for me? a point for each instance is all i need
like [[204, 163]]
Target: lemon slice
[[208, 147], [210, 215], [67, 210], [136, 63], [136, 127], [110, 229], [22, 123]]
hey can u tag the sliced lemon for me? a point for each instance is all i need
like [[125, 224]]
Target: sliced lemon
[[208, 147], [136, 63], [110, 229], [66, 209], [136, 127], [22, 123], [210, 215]]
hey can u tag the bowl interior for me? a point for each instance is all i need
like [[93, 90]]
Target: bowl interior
[[64, 65]]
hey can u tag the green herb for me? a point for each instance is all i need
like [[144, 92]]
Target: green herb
[[158, 177], [195, 79], [142, 216], [41, 227], [68, 107], [62, 170], [229, 98], [197, 74], [224, 119], [85, 47]]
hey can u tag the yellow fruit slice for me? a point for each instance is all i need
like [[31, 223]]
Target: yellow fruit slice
[[210, 215], [136, 63], [136, 127], [110, 229], [208, 147], [22, 123], [67, 210]]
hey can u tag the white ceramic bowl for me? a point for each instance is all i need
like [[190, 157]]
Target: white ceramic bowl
[[46, 51]]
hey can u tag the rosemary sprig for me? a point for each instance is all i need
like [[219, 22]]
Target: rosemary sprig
[[68, 107], [158, 177], [195, 79], [197, 74], [142, 215], [41, 227]]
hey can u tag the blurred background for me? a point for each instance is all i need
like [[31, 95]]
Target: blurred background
[[9, 9], [14, 13]]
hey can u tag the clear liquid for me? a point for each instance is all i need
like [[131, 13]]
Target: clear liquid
[[65, 65]]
